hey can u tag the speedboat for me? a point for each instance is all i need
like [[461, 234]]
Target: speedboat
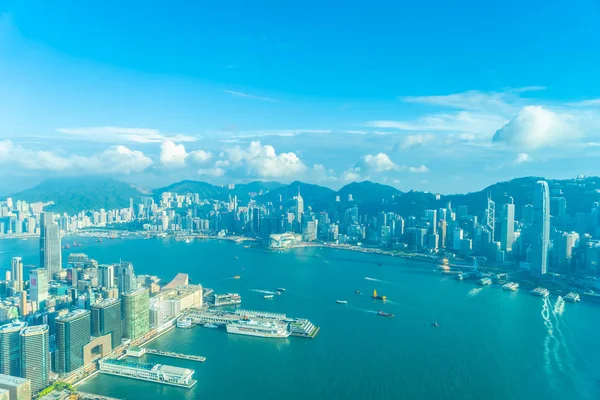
[[209, 325], [435, 325], [357, 292], [341, 301], [268, 296], [384, 314]]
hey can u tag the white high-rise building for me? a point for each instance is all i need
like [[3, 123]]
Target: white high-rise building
[[106, 276], [50, 250], [540, 229], [17, 274], [507, 227]]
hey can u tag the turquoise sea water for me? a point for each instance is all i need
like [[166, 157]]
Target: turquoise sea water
[[491, 344]]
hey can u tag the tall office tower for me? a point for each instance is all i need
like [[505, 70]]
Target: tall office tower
[[443, 228], [18, 388], [50, 252], [563, 251], [135, 313], [127, 281], [540, 229], [72, 333], [10, 348], [35, 356], [431, 216], [507, 227], [38, 287], [299, 206], [106, 318], [255, 220], [490, 216], [17, 274], [23, 303], [106, 276]]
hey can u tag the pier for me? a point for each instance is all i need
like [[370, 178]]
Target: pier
[[171, 354]]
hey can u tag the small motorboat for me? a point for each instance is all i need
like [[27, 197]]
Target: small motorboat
[[342, 301], [384, 314], [357, 292], [435, 325], [268, 296], [209, 325]]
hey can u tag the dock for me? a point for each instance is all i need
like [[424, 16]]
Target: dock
[[171, 354]]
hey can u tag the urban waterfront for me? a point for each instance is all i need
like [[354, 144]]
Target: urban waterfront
[[491, 343]]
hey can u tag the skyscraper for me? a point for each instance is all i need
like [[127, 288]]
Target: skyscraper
[[72, 333], [50, 252], [127, 281], [106, 276], [299, 206], [540, 229], [35, 356], [17, 388], [135, 313], [10, 348], [106, 318], [17, 274], [38, 287], [507, 227]]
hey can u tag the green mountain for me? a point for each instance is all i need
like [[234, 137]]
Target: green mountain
[[72, 195], [313, 195], [204, 189]]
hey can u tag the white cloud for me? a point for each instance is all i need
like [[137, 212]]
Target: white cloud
[[212, 172], [175, 155], [262, 161], [522, 158], [421, 169], [463, 122], [376, 163], [115, 160], [115, 134], [172, 155], [412, 141], [280, 133], [535, 126], [251, 96]]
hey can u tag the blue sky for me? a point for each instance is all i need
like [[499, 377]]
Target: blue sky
[[419, 95]]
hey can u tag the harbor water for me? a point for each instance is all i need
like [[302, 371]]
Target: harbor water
[[490, 343]]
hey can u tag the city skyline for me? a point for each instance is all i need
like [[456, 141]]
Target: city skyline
[[271, 101]]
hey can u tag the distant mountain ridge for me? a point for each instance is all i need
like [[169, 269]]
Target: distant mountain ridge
[[72, 195]]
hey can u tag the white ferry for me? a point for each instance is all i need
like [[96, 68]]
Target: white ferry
[[540, 291], [258, 328], [512, 286], [226, 299], [572, 297], [342, 301], [485, 281]]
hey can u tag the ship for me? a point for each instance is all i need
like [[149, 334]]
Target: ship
[[236, 277], [211, 325], [384, 314], [226, 299], [268, 296], [540, 291], [485, 281], [280, 289], [513, 286], [258, 328], [378, 297], [341, 301], [572, 297]]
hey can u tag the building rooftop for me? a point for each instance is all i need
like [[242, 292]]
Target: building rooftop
[[105, 303], [135, 291], [179, 280], [13, 327], [171, 370], [34, 330], [75, 314], [12, 380]]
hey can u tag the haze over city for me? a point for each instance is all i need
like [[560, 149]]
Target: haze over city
[[440, 98]]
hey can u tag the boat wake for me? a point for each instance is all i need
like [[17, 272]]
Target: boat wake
[[475, 291], [554, 344], [379, 280], [559, 306], [364, 310], [262, 291]]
